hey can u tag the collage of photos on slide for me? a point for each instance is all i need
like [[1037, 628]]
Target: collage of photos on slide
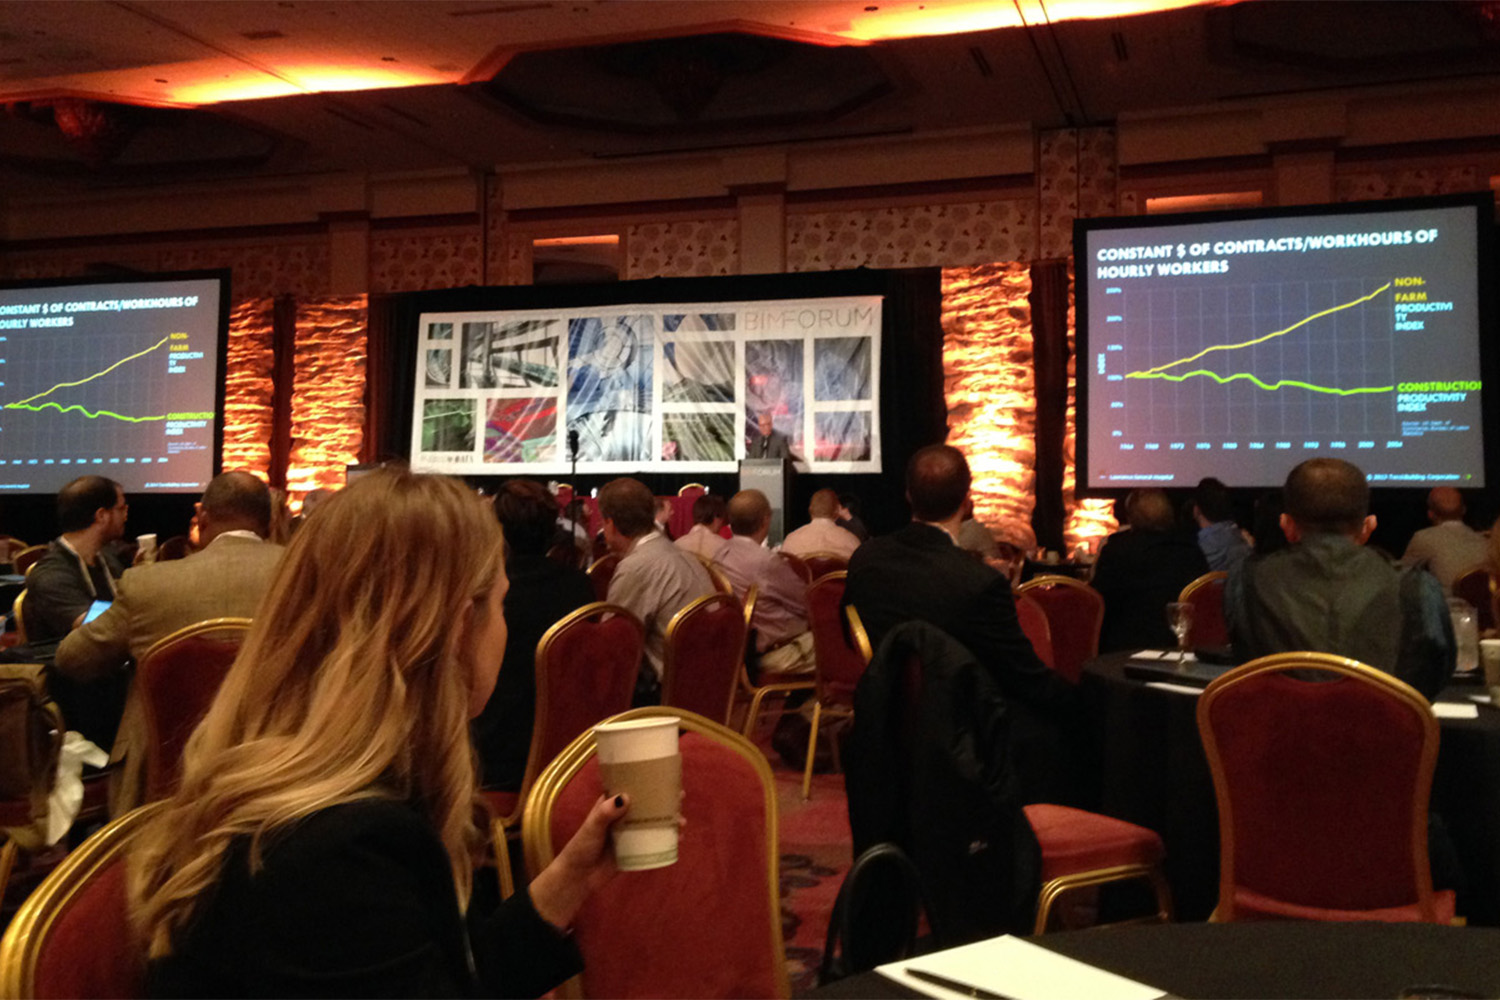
[[697, 400], [520, 361]]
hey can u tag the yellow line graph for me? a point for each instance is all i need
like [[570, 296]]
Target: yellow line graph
[[21, 404], [1154, 372], [91, 416]]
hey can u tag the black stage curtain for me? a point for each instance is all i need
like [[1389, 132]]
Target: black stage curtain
[[913, 412], [1049, 331]]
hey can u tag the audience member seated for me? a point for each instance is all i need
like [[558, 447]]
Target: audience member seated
[[780, 619], [321, 841], [822, 533], [1450, 547], [79, 567], [919, 572], [1266, 535], [663, 517], [1328, 593], [703, 539], [655, 579], [975, 537], [848, 517], [541, 592], [1220, 538], [1141, 569], [227, 578], [572, 527]]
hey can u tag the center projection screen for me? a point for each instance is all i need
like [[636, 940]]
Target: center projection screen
[[661, 387]]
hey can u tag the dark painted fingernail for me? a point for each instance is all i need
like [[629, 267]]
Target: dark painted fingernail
[[619, 802]]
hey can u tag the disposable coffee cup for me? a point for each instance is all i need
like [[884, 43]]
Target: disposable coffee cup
[[1489, 657], [146, 548], [640, 758]]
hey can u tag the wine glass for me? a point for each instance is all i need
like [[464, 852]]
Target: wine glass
[[1180, 621]]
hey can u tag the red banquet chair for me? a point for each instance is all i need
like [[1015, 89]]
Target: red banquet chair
[[1477, 587], [178, 679], [823, 563], [799, 566], [1322, 788], [586, 667], [72, 936], [1206, 595], [705, 652], [839, 665], [601, 571], [769, 682], [1075, 613], [713, 924], [1034, 624]]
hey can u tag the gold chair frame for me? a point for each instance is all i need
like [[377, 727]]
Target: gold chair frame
[[669, 658], [21, 947], [720, 581], [757, 693], [1198, 584], [1058, 580], [1064, 884], [1344, 667], [40, 551], [691, 486], [17, 611], [536, 832], [503, 828], [861, 646]]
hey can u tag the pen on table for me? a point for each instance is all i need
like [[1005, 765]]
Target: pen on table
[[966, 989]]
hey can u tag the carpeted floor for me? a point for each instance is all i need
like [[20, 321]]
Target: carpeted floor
[[815, 854]]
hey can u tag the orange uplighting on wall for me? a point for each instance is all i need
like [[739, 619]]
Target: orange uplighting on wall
[[910, 19], [248, 390], [1086, 522], [990, 387], [328, 391]]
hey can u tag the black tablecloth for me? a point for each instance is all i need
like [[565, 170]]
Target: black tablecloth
[[1151, 770], [1268, 960]]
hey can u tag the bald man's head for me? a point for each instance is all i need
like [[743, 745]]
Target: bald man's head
[[749, 513], [1445, 504]]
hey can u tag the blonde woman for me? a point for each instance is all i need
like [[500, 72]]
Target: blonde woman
[[322, 840]]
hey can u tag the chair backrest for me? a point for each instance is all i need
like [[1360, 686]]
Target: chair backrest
[[877, 915], [1477, 587], [839, 665], [601, 571], [1034, 624], [1206, 595], [823, 563], [705, 652], [720, 581], [18, 611], [178, 678], [27, 558], [799, 566], [586, 667], [712, 923], [1322, 784], [858, 633], [72, 936], [9, 547], [1075, 613]]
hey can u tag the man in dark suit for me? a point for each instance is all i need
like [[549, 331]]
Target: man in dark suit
[[768, 442], [919, 572]]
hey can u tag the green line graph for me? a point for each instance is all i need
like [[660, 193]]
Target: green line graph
[[89, 414], [1226, 379]]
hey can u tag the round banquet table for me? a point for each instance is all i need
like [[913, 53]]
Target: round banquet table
[[1267, 960], [1149, 768]]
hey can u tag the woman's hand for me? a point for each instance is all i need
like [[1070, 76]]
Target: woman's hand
[[583, 865]]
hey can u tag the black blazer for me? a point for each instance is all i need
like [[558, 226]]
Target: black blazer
[[919, 573], [357, 900]]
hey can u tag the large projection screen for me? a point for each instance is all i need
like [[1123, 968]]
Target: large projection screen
[[676, 387]]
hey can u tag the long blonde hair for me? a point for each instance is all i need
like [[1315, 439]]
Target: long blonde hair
[[353, 683]]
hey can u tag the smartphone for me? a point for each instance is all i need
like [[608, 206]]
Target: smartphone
[[95, 610]]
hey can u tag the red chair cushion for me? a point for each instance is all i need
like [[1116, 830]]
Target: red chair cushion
[[703, 926], [179, 682], [1209, 627], [501, 804], [590, 673], [1076, 841], [1074, 616], [90, 950], [839, 665], [706, 650], [1250, 905]]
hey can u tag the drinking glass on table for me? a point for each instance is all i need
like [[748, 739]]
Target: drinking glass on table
[[1180, 621]]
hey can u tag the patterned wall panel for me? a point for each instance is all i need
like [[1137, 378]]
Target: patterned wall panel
[[411, 263], [1077, 177], [1085, 522], [260, 271], [957, 235], [248, 390], [990, 387], [695, 249], [1410, 183], [327, 392]]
